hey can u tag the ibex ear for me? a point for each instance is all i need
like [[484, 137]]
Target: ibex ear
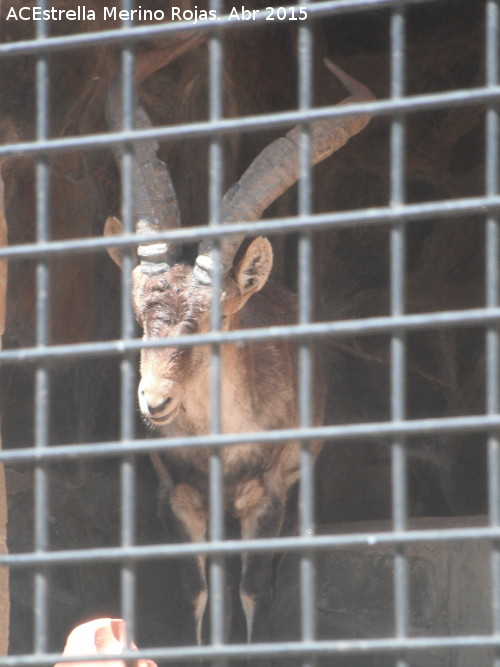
[[113, 227], [252, 271]]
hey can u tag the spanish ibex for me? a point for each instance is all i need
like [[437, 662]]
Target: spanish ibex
[[258, 380]]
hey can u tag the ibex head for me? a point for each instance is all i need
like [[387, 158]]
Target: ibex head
[[173, 303], [172, 299]]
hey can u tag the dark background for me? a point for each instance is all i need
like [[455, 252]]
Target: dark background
[[445, 271]]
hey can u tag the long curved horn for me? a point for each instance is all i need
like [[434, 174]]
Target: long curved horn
[[155, 202], [277, 168]]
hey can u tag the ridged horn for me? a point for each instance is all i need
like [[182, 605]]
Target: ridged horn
[[155, 201], [276, 169]]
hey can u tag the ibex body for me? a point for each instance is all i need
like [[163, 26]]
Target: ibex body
[[258, 380], [258, 392]]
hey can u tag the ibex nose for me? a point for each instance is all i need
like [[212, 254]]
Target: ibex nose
[[158, 399], [155, 409]]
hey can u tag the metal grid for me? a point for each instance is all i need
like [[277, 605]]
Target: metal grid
[[398, 214]]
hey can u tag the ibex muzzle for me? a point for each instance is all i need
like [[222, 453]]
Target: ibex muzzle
[[258, 380]]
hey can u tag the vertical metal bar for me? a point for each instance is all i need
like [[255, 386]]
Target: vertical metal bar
[[305, 295], [42, 395], [127, 366], [398, 341], [492, 301], [216, 491]]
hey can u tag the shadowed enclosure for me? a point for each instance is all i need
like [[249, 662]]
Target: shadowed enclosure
[[392, 246]]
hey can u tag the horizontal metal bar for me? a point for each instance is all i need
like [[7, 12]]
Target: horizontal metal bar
[[288, 649], [259, 545], [385, 215], [363, 431], [154, 31], [482, 95], [359, 327]]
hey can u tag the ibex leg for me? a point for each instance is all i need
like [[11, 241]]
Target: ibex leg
[[264, 520], [185, 520]]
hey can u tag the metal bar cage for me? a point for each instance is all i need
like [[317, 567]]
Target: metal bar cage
[[400, 430]]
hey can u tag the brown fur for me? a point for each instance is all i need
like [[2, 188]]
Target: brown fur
[[258, 392]]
